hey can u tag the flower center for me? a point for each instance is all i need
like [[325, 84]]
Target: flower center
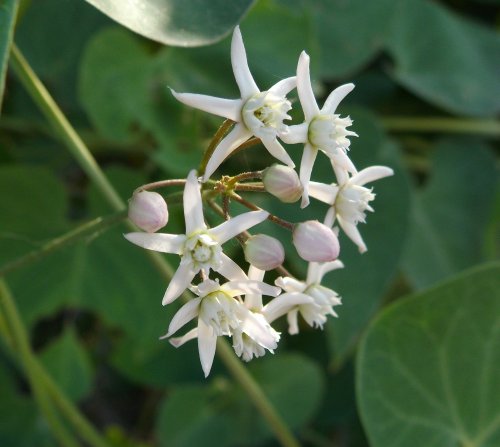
[[330, 132], [352, 202], [219, 310], [203, 251], [263, 114]]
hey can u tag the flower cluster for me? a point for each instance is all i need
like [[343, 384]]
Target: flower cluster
[[227, 300]]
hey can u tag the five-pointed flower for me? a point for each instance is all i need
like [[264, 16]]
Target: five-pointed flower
[[312, 300], [257, 113], [200, 248], [322, 130], [219, 313], [349, 200]]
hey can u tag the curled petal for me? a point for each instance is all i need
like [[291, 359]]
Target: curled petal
[[227, 108], [207, 342], [335, 97], [283, 304], [193, 206], [317, 270], [260, 331], [353, 233], [295, 134], [179, 341], [293, 324], [179, 282], [304, 88], [283, 87], [232, 227], [249, 286], [242, 74], [162, 242], [371, 174], [183, 316]]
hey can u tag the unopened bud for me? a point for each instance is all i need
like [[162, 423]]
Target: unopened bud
[[282, 182], [148, 210], [316, 242], [264, 252]]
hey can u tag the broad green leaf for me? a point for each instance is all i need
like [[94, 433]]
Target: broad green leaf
[[452, 64], [450, 215], [428, 367], [186, 23], [67, 362], [8, 11]]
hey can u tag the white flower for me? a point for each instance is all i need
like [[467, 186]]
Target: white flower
[[200, 248], [312, 300], [219, 313], [322, 130], [256, 113], [349, 200]]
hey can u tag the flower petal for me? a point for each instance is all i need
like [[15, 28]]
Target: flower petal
[[353, 233], [230, 270], [242, 74], [179, 282], [193, 206], [306, 166], [179, 341], [324, 193], [293, 324], [250, 286], [341, 161], [335, 97], [227, 108], [207, 342], [162, 242], [317, 270], [255, 274], [231, 141], [371, 174], [232, 227], [183, 316], [277, 151], [283, 304], [304, 88], [259, 331], [330, 217], [283, 87], [296, 134]]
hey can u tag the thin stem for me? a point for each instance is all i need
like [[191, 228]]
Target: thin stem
[[249, 143], [250, 187], [88, 228], [245, 176], [438, 124], [161, 184], [219, 135], [20, 339], [41, 96]]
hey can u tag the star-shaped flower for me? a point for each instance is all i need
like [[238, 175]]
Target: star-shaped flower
[[312, 300], [219, 312], [349, 200], [200, 248], [257, 113], [323, 130]]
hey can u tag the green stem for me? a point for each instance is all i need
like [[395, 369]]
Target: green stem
[[438, 124], [20, 339], [76, 146], [219, 135], [88, 228]]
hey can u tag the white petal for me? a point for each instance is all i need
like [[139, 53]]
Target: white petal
[[371, 174], [283, 87], [193, 206], [232, 227], [306, 166], [304, 88], [179, 282], [335, 97], [324, 193], [290, 284], [183, 316], [296, 134], [283, 304], [317, 270], [162, 242], [227, 108], [340, 160], [179, 341], [230, 270], [207, 342], [330, 217], [340, 173], [259, 331], [353, 233], [231, 141], [242, 74], [255, 273], [277, 151], [250, 286], [293, 325]]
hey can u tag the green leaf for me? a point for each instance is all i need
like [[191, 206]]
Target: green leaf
[[428, 367], [186, 23], [451, 64], [8, 12], [67, 363], [450, 215]]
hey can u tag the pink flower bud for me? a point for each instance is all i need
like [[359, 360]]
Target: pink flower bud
[[315, 242], [148, 210], [282, 182], [264, 252]]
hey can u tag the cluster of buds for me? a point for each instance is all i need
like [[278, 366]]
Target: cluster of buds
[[227, 300]]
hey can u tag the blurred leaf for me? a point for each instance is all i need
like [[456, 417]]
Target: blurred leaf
[[185, 23], [428, 367], [450, 215], [454, 64], [8, 11], [67, 363], [20, 422]]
